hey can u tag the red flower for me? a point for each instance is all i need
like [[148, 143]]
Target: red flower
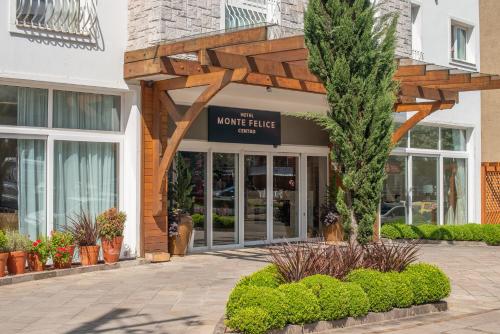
[[58, 255], [38, 241], [35, 244]]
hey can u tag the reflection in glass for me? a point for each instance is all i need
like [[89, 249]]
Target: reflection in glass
[[23, 106], [255, 212], [316, 192], [285, 197], [455, 191], [197, 163], [453, 139], [425, 190], [225, 190], [22, 186], [393, 206], [403, 142], [422, 136]]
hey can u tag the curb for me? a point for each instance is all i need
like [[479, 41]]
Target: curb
[[438, 242], [370, 318], [35, 276]]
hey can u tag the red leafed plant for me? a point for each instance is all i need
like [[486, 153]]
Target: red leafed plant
[[390, 257]]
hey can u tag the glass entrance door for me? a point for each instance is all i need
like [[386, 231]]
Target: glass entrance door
[[255, 198], [285, 197]]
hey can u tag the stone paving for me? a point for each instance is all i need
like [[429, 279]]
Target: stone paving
[[188, 295]]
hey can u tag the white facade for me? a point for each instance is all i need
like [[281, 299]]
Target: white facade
[[70, 62]]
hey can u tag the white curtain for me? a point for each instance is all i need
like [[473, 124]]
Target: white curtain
[[86, 111], [457, 191], [31, 187], [32, 106], [85, 179]]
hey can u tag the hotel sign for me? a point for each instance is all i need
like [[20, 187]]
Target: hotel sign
[[233, 125]]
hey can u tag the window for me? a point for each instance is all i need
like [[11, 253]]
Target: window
[[455, 191], [453, 139], [461, 43], [244, 13], [416, 32], [75, 16], [75, 110], [85, 179], [22, 186], [426, 137], [23, 106]]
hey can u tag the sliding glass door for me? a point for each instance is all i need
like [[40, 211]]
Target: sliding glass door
[[285, 197], [255, 198]]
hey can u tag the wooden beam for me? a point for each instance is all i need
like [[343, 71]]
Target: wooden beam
[[478, 83], [286, 56], [196, 44], [428, 76], [423, 113], [197, 80], [215, 82], [169, 105], [427, 93], [409, 107], [268, 46]]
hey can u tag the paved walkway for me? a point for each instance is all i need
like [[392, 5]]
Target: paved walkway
[[188, 295]]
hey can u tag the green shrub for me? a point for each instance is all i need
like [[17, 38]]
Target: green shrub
[[341, 300], [491, 234], [303, 306], [318, 282], [403, 293], [269, 300], [17, 242], [266, 277], [3, 242], [378, 287], [428, 282], [358, 300], [390, 231], [250, 320]]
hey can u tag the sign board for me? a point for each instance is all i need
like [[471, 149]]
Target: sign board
[[233, 125]]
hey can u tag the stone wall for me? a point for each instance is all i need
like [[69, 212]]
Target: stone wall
[[153, 21]]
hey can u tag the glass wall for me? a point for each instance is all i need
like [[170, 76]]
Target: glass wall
[[22, 186], [316, 193], [255, 200], [224, 198], [437, 178], [393, 206], [285, 197], [85, 167]]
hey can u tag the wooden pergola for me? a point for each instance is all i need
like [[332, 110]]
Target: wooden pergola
[[248, 57]]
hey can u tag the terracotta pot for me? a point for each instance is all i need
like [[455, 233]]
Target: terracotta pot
[[333, 232], [89, 255], [3, 263], [178, 245], [67, 264], [111, 249], [16, 262], [34, 263]]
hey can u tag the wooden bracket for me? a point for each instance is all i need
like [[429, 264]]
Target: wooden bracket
[[215, 82], [425, 110]]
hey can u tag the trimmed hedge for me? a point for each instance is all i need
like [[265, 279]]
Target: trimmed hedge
[[303, 306], [261, 301], [266, 277], [378, 287], [428, 282], [468, 232]]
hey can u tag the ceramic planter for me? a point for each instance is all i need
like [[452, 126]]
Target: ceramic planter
[[111, 249], [16, 263], [34, 263], [178, 245], [65, 264], [89, 255], [333, 233], [3, 263]]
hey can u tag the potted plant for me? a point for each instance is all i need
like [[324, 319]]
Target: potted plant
[[4, 254], [180, 222], [110, 225], [62, 247], [39, 254], [330, 217], [84, 230], [17, 245]]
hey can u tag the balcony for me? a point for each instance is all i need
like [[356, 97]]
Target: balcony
[[247, 13], [75, 17]]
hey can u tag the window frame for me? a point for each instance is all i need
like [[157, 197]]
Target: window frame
[[50, 134], [470, 43]]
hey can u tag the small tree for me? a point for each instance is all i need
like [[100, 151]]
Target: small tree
[[181, 187], [352, 53]]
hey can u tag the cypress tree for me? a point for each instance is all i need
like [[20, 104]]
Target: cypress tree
[[351, 51]]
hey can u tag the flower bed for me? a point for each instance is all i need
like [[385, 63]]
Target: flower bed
[[490, 234], [267, 299]]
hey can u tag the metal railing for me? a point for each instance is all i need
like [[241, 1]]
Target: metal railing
[[63, 16], [417, 55], [245, 13]]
